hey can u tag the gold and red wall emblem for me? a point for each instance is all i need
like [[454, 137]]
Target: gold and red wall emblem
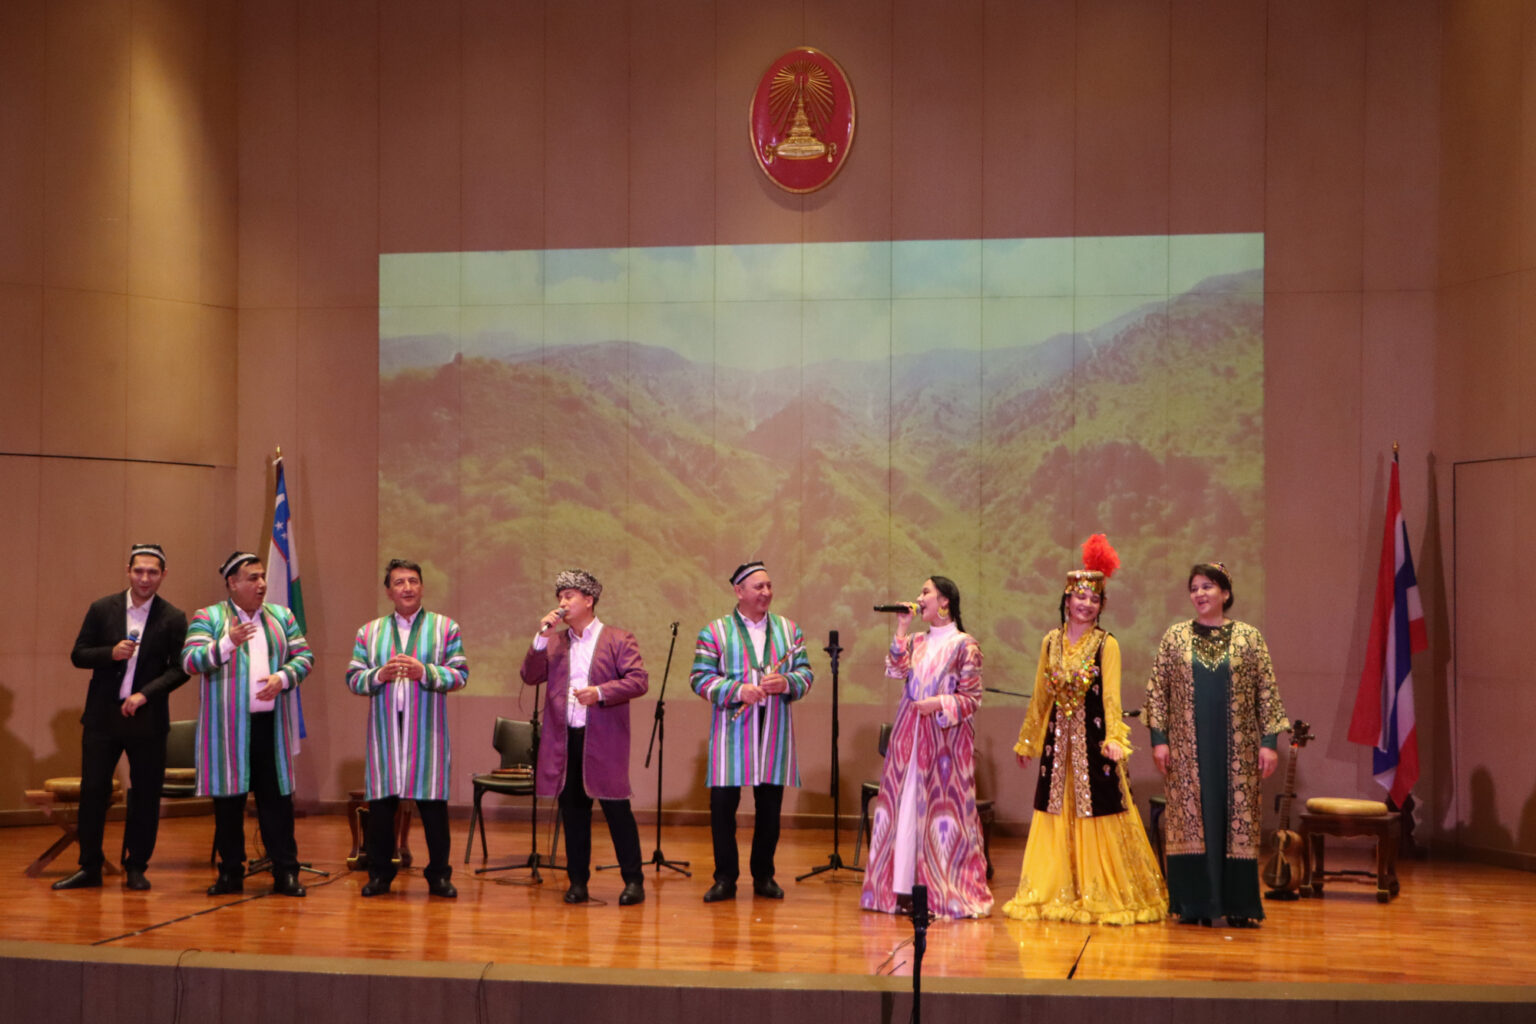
[[801, 120]]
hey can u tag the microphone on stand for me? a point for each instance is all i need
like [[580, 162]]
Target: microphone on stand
[[559, 614], [904, 608], [920, 906]]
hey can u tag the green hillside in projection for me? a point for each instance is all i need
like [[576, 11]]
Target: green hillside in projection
[[853, 477]]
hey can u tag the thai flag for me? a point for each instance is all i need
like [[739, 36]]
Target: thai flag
[[1383, 717], [283, 570]]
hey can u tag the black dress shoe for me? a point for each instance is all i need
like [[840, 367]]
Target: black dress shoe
[[375, 887], [286, 883], [82, 879], [720, 892], [227, 884], [768, 889], [904, 904], [442, 887], [1242, 922], [134, 879], [634, 892], [577, 893]]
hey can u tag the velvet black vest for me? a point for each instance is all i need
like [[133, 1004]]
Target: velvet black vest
[[1103, 780]]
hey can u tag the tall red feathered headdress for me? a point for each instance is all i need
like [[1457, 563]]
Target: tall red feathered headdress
[[1100, 561]]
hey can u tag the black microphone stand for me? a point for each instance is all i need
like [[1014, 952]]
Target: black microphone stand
[[835, 861], [920, 919], [535, 859], [658, 744]]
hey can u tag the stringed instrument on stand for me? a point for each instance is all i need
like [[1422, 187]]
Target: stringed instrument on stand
[[1286, 863]]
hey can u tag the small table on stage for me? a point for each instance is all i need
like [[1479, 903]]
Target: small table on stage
[[1386, 829], [60, 801]]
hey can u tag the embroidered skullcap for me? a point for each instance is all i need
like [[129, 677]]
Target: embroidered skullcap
[[153, 550], [578, 579], [233, 563], [744, 570]]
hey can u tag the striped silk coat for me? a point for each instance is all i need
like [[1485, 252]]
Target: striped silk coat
[[747, 746], [224, 720], [408, 753]]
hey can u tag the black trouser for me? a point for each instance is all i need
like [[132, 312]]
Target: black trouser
[[99, 754], [723, 801], [274, 809], [576, 816], [380, 841]]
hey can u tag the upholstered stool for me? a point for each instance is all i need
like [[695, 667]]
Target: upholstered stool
[[1327, 816], [357, 821], [59, 799]]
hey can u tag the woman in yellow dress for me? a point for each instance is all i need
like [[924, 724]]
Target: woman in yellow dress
[[1088, 860]]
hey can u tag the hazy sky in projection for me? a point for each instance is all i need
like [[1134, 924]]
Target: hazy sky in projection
[[1160, 443], [767, 301]]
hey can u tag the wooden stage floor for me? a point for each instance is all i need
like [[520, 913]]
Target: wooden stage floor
[[1454, 924]]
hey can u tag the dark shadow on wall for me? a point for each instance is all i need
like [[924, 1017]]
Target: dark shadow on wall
[[18, 763], [1483, 830], [65, 759]]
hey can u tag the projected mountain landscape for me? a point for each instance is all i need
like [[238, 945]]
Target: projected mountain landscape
[[854, 472]]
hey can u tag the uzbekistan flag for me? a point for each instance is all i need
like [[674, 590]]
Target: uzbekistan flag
[[283, 585], [1383, 716]]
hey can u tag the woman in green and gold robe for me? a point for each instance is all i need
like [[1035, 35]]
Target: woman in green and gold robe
[[1215, 714]]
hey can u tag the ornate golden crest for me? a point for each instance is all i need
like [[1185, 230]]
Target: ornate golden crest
[[802, 119]]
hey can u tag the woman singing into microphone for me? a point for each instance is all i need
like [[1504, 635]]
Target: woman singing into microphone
[[925, 830]]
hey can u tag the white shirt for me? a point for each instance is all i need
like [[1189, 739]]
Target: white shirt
[[580, 663], [138, 618], [256, 650], [401, 688], [758, 631]]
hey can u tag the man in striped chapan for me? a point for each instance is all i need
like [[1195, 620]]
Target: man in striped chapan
[[252, 657], [751, 666], [406, 664]]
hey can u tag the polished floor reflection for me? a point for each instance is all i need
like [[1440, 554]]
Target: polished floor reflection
[[1424, 936]]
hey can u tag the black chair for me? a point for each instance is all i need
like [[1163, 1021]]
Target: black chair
[[868, 791], [181, 761], [513, 740]]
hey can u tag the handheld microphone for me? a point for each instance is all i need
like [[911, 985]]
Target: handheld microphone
[[559, 614], [133, 635], [905, 608]]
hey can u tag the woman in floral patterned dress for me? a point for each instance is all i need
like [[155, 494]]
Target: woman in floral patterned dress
[[925, 830]]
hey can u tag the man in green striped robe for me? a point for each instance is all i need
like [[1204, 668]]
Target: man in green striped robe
[[750, 666], [406, 664]]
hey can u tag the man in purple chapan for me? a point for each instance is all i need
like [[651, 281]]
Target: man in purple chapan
[[594, 671]]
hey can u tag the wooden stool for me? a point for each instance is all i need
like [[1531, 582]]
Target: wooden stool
[[1385, 828], [357, 821], [60, 801]]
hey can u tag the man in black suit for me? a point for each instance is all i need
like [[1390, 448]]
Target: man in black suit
[[131, 641]]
